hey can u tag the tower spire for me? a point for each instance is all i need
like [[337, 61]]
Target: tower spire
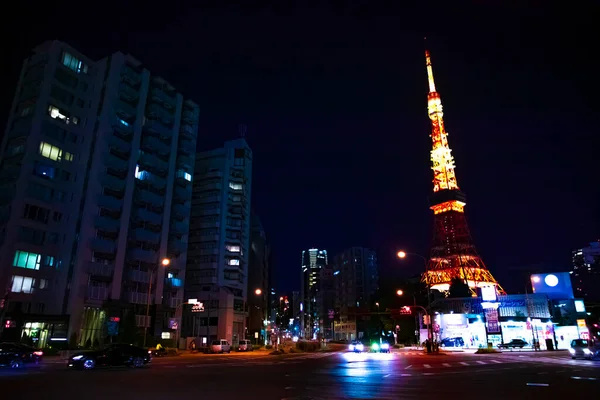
[[453, 254]]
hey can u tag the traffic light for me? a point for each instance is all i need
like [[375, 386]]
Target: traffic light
[[405, 310], [426, 319]]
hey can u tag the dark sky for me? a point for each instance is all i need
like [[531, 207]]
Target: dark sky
[[335, 103]]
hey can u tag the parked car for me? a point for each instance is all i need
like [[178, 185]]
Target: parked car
[[452, 342], [114, 355], [585, 349], [220, 346], [515, 343], [245, 345]]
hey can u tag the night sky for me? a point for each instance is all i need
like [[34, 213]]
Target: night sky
[[335, 104]]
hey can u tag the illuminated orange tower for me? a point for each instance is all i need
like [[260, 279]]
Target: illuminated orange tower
[[453, 255]]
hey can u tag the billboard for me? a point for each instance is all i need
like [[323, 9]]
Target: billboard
[[557, 286]]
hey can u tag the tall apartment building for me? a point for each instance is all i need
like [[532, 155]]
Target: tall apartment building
[[586, 272], [313, 260], [356, 281], [96, 169], [259, 276], [326, 297], [217, 266]]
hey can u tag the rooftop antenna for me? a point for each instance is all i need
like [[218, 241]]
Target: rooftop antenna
[[242, 130]]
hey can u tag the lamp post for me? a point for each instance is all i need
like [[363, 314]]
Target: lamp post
[[259, 292], [401, 255], [165, 263], [400, 293]]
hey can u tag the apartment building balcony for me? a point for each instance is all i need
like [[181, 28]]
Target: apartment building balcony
[[155, 126], [210, 199], [130, 76], [177, 247], [182, 193], [162, 116], [125, 109], [117, 163], [149, 160], [148, 216], [145, 235], [189, 116], [103, 245], [161, 97], [212, 175], [148, 197], [187, 131], [139, 276], [181, 210], [97, 293], [99, 270], [138, 254], [112, 182], [110, 202], [119, 145], [107, 224], [210, 224], [208, 252], [184, 161], [122, 131], [214, 186], [156, 181], [173, 282], [182, 228], [186, 147], [137, 297], [151, 144], [128, 93]]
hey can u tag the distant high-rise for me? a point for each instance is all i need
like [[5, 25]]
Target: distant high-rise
[[96, 169], [219, 243], [313, 260], [586, 272], [356, 282], [258, 278]]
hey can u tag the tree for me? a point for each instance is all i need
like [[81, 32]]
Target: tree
[[459, 288]]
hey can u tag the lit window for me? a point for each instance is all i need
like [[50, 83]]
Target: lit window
[[27, 260], [49, 261], [235, 186], [182, 174], [233, 249], [234, 261], [124, 122], [54, 153], [56, 113], [141, 174], [43, 284], [74, 63], [22, 284]]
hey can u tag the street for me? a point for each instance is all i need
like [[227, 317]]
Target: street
[[399, 375]]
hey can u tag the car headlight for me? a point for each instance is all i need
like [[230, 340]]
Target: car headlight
[[572, 351], [77, 358], [351, 347], [375, 346], [360, 347], [385, 346], [587, 351]]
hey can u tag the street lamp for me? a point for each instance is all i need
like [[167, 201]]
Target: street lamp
[[259, 292], [402, 254], [164, 262], [399, 292]]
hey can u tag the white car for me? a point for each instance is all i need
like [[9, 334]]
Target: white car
[[220, 346]]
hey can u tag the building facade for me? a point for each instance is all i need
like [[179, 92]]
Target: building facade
[[356, 283], [586, 272], [258, 279], [313, 260], [326, 297], [97, 162], [219, 244]]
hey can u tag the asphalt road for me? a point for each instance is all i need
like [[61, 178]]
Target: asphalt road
[[401, 375]]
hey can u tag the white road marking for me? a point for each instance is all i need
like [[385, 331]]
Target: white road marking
[[429, 373], [405, 374], [385, 376], [464, 363], [587, 378], [446, 364], [538, 384], [427, 365], [408, 367], [496, 361], [481, 362]]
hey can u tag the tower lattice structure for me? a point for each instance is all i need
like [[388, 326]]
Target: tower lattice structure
[[453, 254]]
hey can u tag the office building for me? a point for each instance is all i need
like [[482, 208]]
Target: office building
[[326, 297], [219, 243], [356, 282], [313, 260], [96, 171], [586, 272], [258, 279]]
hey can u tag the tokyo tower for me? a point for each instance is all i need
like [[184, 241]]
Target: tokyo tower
[[453, 254]]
